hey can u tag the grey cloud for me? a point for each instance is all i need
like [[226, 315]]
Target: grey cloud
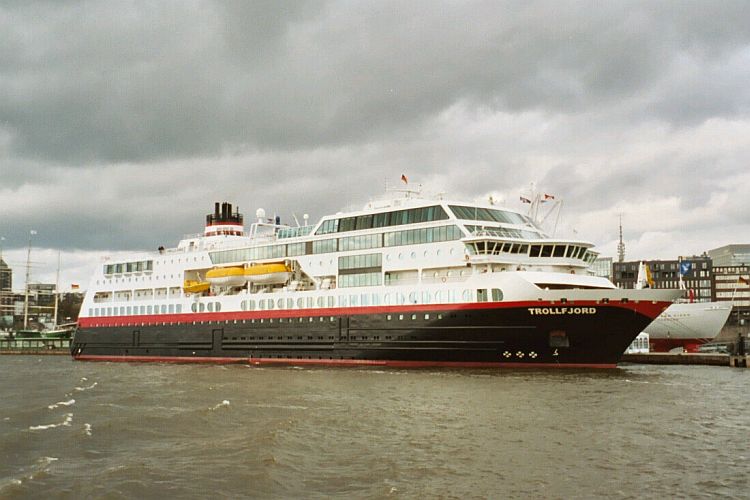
[[88, 83]]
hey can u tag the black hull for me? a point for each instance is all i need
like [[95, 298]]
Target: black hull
[[594, 336]]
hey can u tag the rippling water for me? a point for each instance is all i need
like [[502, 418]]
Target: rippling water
[[75, 430]]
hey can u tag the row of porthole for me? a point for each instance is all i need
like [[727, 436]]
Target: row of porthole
[[413, 255]]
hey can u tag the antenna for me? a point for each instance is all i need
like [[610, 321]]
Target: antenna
[[57, 288], [621, 245], [32, 232]]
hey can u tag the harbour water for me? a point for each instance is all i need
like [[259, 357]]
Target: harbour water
[[117, 430]]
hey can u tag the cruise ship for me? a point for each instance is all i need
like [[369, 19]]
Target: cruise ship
[[408, 281], [684, 325], [687, 325]]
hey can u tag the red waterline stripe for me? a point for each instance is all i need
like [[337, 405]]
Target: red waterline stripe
[[649, 309], [338, 362], [664, 345]]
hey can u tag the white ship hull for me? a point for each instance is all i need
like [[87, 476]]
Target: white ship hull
[[687, 325]]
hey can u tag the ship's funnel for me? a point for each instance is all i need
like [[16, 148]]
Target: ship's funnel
[[224, 222]]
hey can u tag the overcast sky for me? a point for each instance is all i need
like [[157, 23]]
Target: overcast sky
[[121, 124]]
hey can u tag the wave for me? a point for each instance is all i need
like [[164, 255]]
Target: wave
[[66, 422], [62, 403], [223, 403]]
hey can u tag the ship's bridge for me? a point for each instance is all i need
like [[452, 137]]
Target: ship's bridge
[[489, 247]]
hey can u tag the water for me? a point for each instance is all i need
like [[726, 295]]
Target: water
[[82, 430]]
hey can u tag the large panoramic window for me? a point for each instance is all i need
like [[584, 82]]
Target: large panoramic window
[[488, 214], [385, 219], [248, 254], [424, 235]]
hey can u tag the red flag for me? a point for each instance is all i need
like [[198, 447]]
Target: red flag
[[74, 286], [404, 179], [525, 200], [548, 197]]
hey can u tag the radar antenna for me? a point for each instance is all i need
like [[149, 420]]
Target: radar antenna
[[621, 245]]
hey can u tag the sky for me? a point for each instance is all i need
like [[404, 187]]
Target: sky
[[121, 124]]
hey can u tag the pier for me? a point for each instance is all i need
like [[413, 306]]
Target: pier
[[664, 358]]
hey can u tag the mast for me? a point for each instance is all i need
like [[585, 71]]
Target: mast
[[57, 288], [26, 288], [621, 245]]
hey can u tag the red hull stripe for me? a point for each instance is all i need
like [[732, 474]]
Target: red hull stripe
[[649, 309], [338, 362], [665, 345]]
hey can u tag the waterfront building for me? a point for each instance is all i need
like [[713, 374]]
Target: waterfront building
[[691, 273], [6, 294], [42, 301], [730, 255], [602, 267], [6, 277], [732, 284]]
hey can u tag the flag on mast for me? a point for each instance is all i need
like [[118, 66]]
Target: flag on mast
[[525, 200], [685, 268], [404, 179]]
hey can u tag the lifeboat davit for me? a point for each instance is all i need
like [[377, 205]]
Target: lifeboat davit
[[268, 274], [226, 276]]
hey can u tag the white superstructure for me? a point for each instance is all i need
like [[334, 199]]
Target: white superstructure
[[406, 250]]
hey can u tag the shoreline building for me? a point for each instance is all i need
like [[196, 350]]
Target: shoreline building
[[6, 295], [602, 267], [694, 274], [732, 281]]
